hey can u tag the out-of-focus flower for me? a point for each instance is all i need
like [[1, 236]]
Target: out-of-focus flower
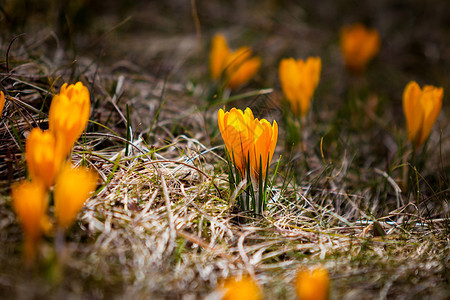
[[299, 80], [240, 71], [72, 188], [2, 102], [248, 140], [69, 114], [219, 53], [30, 203], [236, 67], [243, 288], [312, 284], [421, 108], [358, 46], [43, 158]]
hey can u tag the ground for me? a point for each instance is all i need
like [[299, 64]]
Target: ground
[[161, 226]]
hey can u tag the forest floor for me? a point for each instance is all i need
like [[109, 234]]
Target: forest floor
[[161, 225]]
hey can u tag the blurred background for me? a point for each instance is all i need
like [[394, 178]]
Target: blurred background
[[171, 38]]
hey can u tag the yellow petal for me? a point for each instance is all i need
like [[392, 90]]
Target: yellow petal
[[218, 56], [2, 102], [72, 188], [236, 136], [248, 115], [290, 75], [372, 44], [264, 145], [30, 204], [299, 79], [42, 156], [236, 67], [413, 114], [220, 119], [236, 59], [273, 140], [312, 284], [314, 67], [69, 115], [244, 288], [244, 72], [358, 45], [430, 103], [304, 87]]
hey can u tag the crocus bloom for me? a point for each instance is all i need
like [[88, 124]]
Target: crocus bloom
[[248, 140], [237, 67], [358, 46], [244, 288], [72, 188], [69, 114], [421, 108], [30, 204], [299, 80], [2, 102], [312, 284], [42, 156]]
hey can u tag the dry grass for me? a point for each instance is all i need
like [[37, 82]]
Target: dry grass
[[161, 225]]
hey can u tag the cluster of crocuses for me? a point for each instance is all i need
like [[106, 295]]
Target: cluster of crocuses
[[299, 78], [421, 106], [50, 170], [310, 284], [251, 142]]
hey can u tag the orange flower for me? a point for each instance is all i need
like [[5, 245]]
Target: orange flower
[[237, 67], [244, 288], [358, 46], [43, 159], [248, 140], [299, 80], [2, 102], [72, 188], [30, 203], [69, 114], [421, 108], [312, 284]]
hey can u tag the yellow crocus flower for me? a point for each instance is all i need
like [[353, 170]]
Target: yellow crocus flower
[[42, 156], [69, 114], [30, 202], [421, 108], [236, 67], [248, 140], [243, 288], [299, 80], [312, 284], [358, 46], [2, 102], [72, 188]]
